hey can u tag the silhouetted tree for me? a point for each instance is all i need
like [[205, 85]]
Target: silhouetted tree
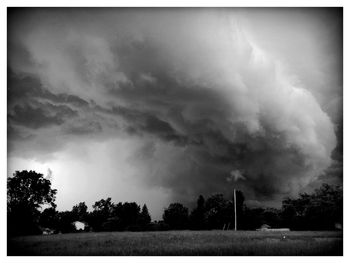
[[26, 193], [128, 214], [319, 210], [65, 220], [105, 206], [272, 217], [79, 212], [197, 217], [252, 218], [327, 205], [219, 211], [102, 211], [107, 216], [49, 218], [176, 216], [145, 218]]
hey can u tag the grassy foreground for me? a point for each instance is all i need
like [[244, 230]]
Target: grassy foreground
[[250, 243]]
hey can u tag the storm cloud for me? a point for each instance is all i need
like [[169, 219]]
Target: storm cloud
[[204, 93]]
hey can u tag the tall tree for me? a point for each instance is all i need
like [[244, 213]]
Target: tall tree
[[27, 191], [79, 211], [320, 210], [49, 218], [129, 213], [64, 222], [219, 211], [102, 211], [104, 205], [145, 218], [176, 216], [197, 217]]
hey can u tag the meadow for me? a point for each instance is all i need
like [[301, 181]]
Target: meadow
[[171, 243]]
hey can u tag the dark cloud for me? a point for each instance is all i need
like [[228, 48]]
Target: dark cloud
[[41, 115], [32, 108], [23, 88], [200, 95], [15, 133]]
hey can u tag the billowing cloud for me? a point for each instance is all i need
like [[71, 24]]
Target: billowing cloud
[[235, 175], [204, 94]]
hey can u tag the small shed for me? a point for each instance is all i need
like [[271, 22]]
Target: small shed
[[264, 227], [79, 226]]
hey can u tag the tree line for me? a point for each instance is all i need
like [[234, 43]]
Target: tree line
[[28, 192]]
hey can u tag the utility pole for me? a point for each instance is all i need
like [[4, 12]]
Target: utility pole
[[234, 201]]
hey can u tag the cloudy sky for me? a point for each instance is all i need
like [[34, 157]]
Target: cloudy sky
[[161, 105]]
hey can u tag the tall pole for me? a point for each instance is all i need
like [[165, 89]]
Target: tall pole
[[234, 201]]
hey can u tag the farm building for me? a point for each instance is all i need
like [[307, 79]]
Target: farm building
[[266, 227], [79, 226]]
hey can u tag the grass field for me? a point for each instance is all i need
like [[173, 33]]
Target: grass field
[[250, 243]]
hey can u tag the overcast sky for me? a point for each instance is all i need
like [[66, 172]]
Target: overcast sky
[[161, 105]]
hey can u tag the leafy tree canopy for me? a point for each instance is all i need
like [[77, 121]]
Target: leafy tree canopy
[[26, 193], [29, 188], [176, 216]]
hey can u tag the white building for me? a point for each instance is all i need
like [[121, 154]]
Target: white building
[[78, 225]]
